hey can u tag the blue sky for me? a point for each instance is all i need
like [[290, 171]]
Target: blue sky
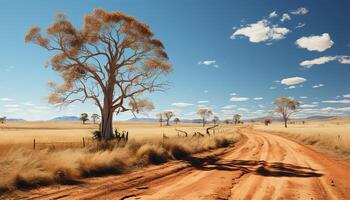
[[232, 56]]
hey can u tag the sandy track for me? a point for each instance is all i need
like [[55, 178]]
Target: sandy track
[[261, 166]]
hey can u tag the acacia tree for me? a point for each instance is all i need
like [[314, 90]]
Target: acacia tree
[[84, 117], [204, 113], [285, 107], [237, 118], [95, 117], [176, 120], [161, 118], [216, 120], [111, 60], [168, 115], [2, 120]]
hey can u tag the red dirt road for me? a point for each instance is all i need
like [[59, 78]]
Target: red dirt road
[[260, 166]]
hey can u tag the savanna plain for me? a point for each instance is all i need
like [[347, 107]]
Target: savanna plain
[[307, 160]]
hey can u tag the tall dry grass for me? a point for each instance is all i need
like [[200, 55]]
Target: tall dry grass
[[23, 168], [330, 135]]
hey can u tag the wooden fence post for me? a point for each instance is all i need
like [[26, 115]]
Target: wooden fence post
[[34, 144], [83, 142]]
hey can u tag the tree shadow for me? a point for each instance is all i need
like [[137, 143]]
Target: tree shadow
[[262, 168]]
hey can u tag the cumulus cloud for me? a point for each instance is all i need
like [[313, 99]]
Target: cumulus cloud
[[261, 31], [292, 81], [258, 98], [273, 14], [300, 11], [344, 59], [181, 104], [239, 99], [317, 61], [346, 95], [228, 107], [318, 85], [315, 43], [285, 17], [202, 102], [209, 63], [343, 101], [308, 106]]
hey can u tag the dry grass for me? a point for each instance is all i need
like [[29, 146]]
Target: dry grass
[[25, 168], [333, 135]]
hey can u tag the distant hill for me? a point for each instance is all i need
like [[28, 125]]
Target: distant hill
[[320, 117], [65, 119], [157, 120], [15, 120]]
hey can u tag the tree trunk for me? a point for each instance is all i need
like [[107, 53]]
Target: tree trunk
[[107, 124], [285, 123], [203, 122], [167, 122]]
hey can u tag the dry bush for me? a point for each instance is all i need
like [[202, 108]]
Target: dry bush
[[24, 168]]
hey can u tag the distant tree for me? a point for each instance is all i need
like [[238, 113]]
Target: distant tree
[[176, 120], [168, 115], [95, 117], [2, 120], [227, 121], [161, 118], [237, 118], [285, 107], [267, 122], [204, 113], [111, 60], [216, 120], [84, 117]]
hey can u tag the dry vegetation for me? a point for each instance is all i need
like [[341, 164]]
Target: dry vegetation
[[333, 135], [23, 167]]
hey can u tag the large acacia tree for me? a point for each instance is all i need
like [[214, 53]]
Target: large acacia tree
[[111, 60]]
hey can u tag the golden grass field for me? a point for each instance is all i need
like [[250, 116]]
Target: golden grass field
[[332, 135], [22, 167]]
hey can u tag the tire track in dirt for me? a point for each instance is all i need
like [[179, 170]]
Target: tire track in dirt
[[260, 166]]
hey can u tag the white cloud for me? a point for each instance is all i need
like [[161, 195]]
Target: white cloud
[[6, 99], [293, 81], [243, 109], [346, 95], [318, 85], [300, 11], [181, 105], [291, 87], [344, 101], [28, 104], [228, 107], [11, 106], [209, 63], [239, 99], [344, 59], [261, 31], [273, 14], [315, 43], [258, 98], [308, 106], [272, 88], [343, 109], [317, 61], [202, 102], [285, 17], [303, 97], [300, 25], [233, 94]]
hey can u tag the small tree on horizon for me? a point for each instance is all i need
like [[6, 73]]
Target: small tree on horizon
[[176, 120], [95, 117], [285, 107], [111, 59], [161, 118], [237, 118], [168, 115], [2, 120], [204, 113], [84, 117], [216, 120]]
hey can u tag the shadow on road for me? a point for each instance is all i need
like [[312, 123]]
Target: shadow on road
[[262, 168]]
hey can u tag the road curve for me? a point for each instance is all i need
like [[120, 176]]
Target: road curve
[[260, 166]]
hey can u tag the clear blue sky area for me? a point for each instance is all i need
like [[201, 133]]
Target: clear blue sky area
[[230, 56]]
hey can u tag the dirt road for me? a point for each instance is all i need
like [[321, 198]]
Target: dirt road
[[260, 166]]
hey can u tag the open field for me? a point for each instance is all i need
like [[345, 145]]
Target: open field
[[332, 135], [70, 134], [259, 166]]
